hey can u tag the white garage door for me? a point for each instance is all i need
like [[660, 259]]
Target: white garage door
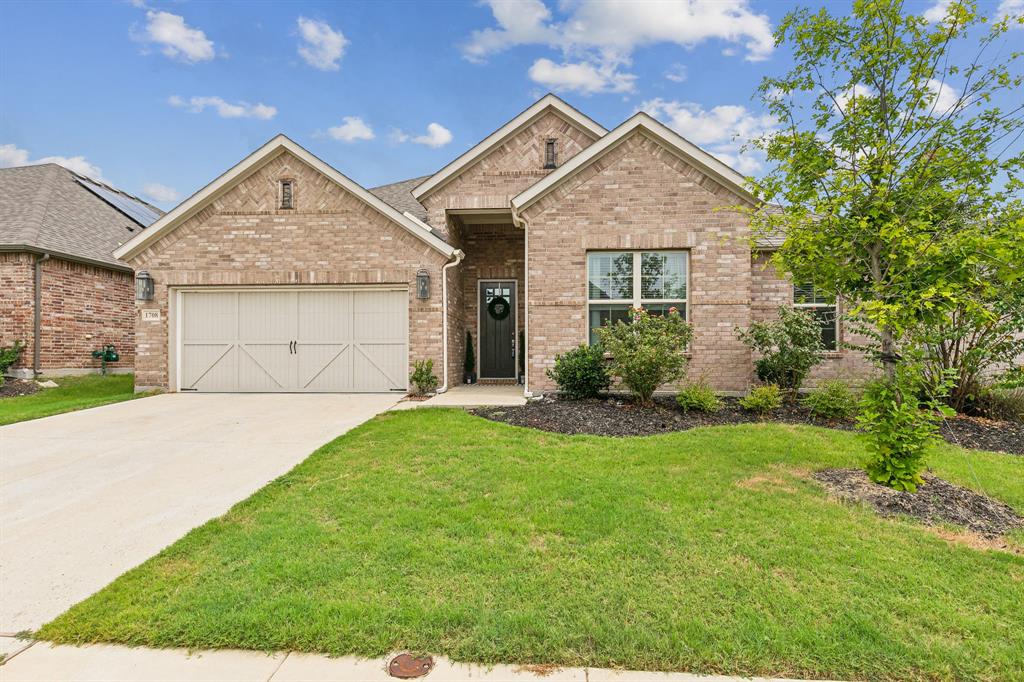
[[293, 340]]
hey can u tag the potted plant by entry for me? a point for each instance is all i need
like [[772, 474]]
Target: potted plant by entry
[[469, 366]]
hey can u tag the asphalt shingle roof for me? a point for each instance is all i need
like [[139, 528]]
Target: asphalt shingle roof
[[399, 196], [48, 207]]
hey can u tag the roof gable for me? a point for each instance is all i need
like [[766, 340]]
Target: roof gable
[[270, 150], [534, 112], [682, 147]]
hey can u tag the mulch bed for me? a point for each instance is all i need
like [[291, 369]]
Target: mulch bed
[[16, 387], [936, 502], [618, 417], [621, 417]]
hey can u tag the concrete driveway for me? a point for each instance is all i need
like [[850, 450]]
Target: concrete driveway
[[85, 496]]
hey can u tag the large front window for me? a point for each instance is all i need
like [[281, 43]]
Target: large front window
[[823, 308], [620, 280]]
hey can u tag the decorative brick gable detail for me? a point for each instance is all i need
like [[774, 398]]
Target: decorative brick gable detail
[[330, 237], [507, 170]]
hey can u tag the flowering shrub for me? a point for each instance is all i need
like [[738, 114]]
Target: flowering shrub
[[648, 352]]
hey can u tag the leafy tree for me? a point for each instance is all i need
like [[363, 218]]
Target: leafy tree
[[892, 154]]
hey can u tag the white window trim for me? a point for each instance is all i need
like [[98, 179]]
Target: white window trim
[[637, 301]]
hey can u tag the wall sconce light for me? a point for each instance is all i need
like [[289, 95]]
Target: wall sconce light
[[144, 287], [422, 284]]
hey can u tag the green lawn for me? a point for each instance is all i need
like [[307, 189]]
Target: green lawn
[[706, 551], [73, 393]]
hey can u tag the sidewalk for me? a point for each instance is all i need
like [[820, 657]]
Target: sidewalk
[[108, 663]]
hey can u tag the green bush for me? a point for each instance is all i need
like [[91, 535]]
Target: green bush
[[581, 373], [899, 427], [8, 356], [698, 396], [788, 346], [423, 376], [1012, 378], [832, 400], [1005, 404], [763, 399], [647, 353]]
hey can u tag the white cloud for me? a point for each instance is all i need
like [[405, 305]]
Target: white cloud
[[583, 77], [352, 129], [177, 39], [676, 73], [721, 130], [610, 30], [945, 96], [11, 155], [1012, 10], [437, 136], [937, 11], [322, 46], [224, 108], [158, 192]]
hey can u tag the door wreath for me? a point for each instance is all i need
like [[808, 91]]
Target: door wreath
[[498, 308]]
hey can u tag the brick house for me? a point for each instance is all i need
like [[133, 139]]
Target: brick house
[[62, 292], [285, 275]]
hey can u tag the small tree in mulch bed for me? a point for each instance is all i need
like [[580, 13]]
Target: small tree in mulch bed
[[647, 353], [788, 347]]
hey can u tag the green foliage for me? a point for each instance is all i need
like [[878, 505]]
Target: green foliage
[[698, 396], [788, 347], [469, 365], [1005, 404], [647, 353], [581, 373], [8, 356], [900, 428], [423, 376], [833, 399], [1012, 378], [763, 399]]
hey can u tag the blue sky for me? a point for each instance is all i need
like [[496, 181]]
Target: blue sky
[[158, 98]]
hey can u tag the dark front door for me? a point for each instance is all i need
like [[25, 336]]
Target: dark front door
[[497, 330]]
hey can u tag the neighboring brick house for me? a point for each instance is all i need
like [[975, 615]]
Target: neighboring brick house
[[62, 292], [285, 275]]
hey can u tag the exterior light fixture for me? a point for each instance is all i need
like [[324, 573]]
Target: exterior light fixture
[[422, 284], [143, 286]]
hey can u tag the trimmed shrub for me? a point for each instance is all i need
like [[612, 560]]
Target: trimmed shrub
[[698, 396], [581, 373], [423, 376], [832, 400], [788, 346], [8, 356], [763, 399], [647, 353]]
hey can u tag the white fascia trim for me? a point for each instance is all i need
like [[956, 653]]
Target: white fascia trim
[[416, 220], [280, 143], [535, 110], [681, 146]]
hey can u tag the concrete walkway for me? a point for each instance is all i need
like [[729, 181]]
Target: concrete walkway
[[85, 496], [476, 395], [45, 663]]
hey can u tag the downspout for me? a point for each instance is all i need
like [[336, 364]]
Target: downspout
[[37, 314], [520, 222], [459, 255]]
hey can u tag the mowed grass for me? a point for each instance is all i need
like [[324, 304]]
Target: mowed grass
[[72, 393], [706, 551]]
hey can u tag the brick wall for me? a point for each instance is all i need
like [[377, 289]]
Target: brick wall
[[770, 290], [330, 237], [639, 195], [507, 170], [83, 307]]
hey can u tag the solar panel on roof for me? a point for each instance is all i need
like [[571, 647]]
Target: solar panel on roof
[[136, 210]]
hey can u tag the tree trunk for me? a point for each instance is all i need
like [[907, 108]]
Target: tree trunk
[[888, 356]]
